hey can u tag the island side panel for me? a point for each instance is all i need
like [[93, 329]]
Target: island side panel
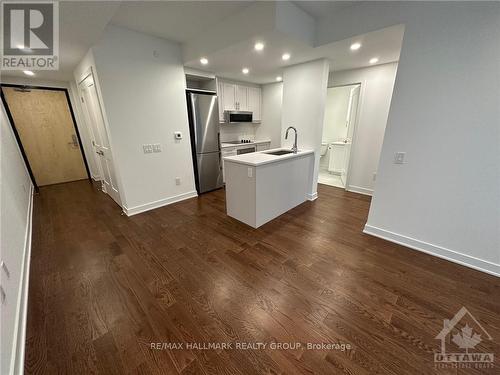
[[240, 192], [281, 186]]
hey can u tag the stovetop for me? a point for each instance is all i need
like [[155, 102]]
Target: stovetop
[[238, 142]]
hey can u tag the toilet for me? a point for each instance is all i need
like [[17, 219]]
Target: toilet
[[336, 161], [324, 148]]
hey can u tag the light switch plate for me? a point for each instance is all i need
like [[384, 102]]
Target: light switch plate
[[250, 172], [399, 157], [177, 180]]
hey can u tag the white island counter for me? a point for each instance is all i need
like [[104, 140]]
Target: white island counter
[[261, 186]]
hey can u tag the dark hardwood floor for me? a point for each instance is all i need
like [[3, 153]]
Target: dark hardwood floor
[[104, 287]]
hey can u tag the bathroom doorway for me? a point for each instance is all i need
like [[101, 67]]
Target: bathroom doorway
[[338, 132]]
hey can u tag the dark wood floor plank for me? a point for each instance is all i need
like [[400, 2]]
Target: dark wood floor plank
[[105, 287]]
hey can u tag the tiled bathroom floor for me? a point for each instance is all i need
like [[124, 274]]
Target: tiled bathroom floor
[[324, 177]]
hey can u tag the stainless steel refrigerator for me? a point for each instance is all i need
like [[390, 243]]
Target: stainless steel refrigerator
[[205, 140]]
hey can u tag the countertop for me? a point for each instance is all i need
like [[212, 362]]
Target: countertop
[[256, 159], [226, 145]]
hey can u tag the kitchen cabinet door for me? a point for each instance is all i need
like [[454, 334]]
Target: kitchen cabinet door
[[241, 98], [227, 152], [229, 96], [263, 146], [254, 103], [220, 96]]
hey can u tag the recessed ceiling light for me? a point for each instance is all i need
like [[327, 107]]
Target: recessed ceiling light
[[285, 56], [204, 60], [374, 60], [28, 72], [279, 78], [355, 46], [245, 70], [259, 46]]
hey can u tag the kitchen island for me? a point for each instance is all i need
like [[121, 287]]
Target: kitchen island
[[260, 186]]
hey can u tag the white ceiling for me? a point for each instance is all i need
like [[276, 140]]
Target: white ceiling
[[319, 9], [266, 65], [178, 21], [81, 24]]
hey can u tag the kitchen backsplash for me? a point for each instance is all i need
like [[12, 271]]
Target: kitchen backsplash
[[236, 132]]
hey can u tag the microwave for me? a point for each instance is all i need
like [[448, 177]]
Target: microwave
[[233, 117]]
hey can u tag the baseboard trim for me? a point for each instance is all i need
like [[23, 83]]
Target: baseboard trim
[[312, 197], [159, 203], [18, 352], [438, 251], [359, 190]]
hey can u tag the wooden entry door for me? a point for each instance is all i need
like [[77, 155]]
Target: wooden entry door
[[45, 126]]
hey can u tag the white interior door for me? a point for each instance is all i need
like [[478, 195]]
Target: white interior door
[[100, 142], [352, 112]]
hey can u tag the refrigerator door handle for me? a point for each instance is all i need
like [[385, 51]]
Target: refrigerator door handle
[[193, 113]]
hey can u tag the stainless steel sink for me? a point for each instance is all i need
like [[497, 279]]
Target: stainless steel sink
[[280, 152]]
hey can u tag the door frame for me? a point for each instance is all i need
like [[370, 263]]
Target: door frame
[[362, 85], [16, 133]]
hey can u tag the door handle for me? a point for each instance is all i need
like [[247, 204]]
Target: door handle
[[99, 152], [74, 141]]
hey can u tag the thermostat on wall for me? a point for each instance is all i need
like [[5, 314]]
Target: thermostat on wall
[[178, 135]]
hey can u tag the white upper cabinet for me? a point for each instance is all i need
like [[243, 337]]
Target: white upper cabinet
[[220, 96], [239, 97], [254, 102], [229, 96]]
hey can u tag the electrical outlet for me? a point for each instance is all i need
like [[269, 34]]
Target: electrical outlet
[[399, 157], [157, 147], [148, 148], [177, 180], [374, 176]]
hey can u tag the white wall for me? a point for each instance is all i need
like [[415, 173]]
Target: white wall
[[304, 98], [144, 100], [270, 127], [337, 103], [15, 243], [445, 115], [377, 83], [236, 132], [75, 104]]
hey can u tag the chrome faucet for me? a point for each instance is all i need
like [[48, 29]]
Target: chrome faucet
[[294, 148]]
